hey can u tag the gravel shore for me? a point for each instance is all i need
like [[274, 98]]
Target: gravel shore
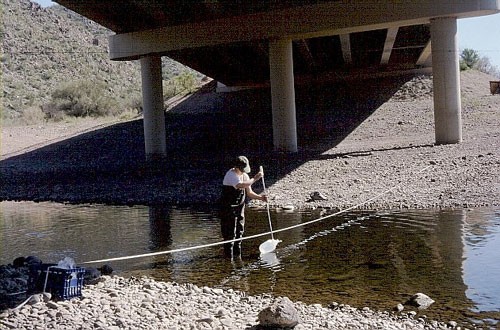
[[387, 159], [118, 303]]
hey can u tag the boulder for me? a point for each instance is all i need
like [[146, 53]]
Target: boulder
[[399, 308], [420, 300], [106, 270], [281, 314], [91, 276], [32, 260], [317, 196], [19, 262]]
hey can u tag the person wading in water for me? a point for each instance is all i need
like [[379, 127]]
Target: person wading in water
[[236, 187]]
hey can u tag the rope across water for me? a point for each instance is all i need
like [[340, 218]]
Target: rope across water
[[152, 254]]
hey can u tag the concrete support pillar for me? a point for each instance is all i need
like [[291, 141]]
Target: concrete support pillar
[[446, 73], [283, 95], [152, 103]]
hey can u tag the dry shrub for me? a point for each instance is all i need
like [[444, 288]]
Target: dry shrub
[[82, 98], [33, 115], [184, 83]]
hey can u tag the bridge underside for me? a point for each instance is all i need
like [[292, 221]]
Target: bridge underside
[[280, 43], [228, 40], [247, 63]]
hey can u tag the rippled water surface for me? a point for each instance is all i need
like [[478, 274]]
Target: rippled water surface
[[374, 259]]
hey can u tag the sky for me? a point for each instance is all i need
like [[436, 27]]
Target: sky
[[481, 34]]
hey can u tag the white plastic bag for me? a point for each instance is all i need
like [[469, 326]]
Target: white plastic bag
[[66, 263]]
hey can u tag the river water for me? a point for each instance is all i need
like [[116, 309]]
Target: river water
[[364, 258]]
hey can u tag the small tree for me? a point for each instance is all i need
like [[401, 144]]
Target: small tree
[[469, 58], [484, 65]]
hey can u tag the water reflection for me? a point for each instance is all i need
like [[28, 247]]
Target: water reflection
[[481, 240], [160, 230], [270, 260], [375, 259], [172, 229]]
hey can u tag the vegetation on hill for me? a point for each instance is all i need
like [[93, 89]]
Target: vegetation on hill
[[470, 59], [55, 63]]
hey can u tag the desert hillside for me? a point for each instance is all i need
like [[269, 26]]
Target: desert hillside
[[44, 48]]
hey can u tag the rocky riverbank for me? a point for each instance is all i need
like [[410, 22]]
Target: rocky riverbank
[[119, 303]]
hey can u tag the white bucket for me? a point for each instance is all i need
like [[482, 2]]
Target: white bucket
[[269, 245]]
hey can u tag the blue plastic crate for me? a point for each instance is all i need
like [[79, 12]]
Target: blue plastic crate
[[62, 283]]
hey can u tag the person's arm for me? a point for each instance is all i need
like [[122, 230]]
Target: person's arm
[[249, 191], [247, 182], [252, 195]]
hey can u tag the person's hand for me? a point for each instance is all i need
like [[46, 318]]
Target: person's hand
[[258, 176], [263, 198]]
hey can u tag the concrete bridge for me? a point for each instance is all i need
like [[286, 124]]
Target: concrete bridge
[[278, 43]]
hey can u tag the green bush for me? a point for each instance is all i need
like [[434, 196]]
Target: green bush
[[184, 83], [81, 98], [132, 106], [33, 115], [468, 58], [463, 65], [169, 89], [85, 98]]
